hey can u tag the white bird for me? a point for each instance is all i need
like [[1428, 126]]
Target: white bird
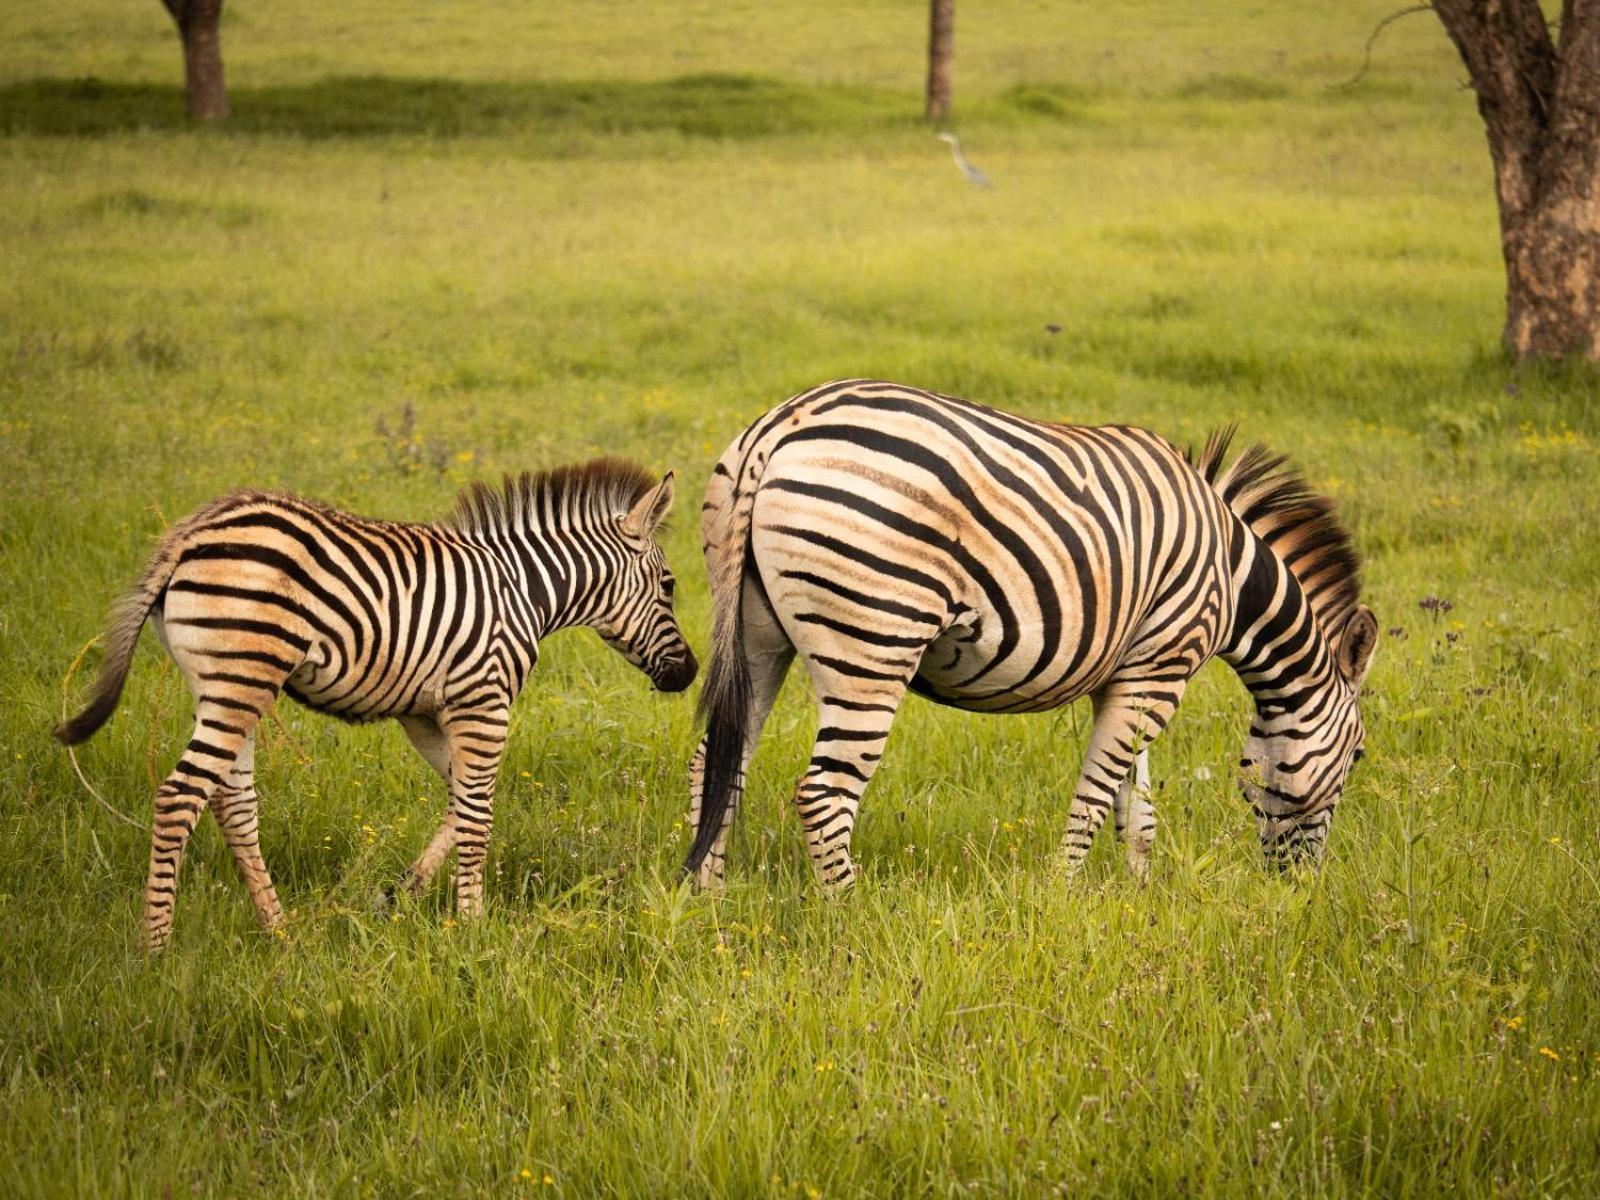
[[974, 176]]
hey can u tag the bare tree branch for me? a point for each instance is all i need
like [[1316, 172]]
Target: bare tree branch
[[1377, 32]]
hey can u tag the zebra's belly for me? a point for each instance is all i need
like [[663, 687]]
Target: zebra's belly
[[964, 670], [360, 692]]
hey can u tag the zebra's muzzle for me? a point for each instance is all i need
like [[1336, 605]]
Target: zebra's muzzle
[[678, 674]]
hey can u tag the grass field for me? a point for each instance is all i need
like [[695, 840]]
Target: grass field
[[439, 242]]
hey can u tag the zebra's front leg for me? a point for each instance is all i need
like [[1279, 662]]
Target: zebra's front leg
[[1126, 721], [477, 740], [465, 746], [1135, 816]]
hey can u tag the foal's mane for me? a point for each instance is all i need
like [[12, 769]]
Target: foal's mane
[[1297, 523], [604, 487]]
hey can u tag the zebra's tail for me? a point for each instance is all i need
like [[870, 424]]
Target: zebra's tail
[[128, 616], [725, 698]]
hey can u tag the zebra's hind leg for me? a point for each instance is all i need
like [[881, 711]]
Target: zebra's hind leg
[[1135, 816], [425, 734], [769, 653], [236, 808], [1126, 720], [852, 726], [221, 733]]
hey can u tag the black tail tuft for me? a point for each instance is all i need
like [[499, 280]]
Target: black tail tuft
[[83, 726], [121, 639], [725, 705]]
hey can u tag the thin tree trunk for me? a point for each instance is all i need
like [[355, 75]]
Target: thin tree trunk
[[941, 50], [198, 22], [1540, 103]]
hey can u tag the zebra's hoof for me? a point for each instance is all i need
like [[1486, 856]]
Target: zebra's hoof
[[1139, 866], [710, 883], [1065, 866]]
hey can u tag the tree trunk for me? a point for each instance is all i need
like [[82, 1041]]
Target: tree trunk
[[1553, 276], [1540, 103], [198, 22], [941, 50]]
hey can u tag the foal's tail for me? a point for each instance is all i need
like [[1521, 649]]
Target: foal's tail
[[127, 619]]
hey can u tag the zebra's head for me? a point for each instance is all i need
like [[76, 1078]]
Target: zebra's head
[[633, 614], [1296, 761]]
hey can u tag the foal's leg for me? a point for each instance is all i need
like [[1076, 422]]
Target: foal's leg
[[235, 806], [235, 658], [425, 734], [428, 738], [466, 750], [220, 735]]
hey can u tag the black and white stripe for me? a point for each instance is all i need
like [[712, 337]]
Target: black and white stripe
[[896, 539], [435, 625]]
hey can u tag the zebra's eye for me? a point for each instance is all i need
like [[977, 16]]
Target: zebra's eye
[[1361, 752], [669, 585]]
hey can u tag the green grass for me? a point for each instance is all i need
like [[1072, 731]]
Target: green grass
[[567, 229]]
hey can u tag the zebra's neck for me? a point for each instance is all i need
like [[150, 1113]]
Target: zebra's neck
[[551, 570], [1275, 644]]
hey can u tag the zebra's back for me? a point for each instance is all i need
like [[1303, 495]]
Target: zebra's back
[[1025, 564], [356, 617]]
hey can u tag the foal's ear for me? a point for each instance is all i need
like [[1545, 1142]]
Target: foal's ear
[[646, 515], [1357, 640]]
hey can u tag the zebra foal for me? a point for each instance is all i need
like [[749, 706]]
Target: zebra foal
[[434, 625], [896, 539]]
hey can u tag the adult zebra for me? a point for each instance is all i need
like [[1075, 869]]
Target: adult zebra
[[435, 625], [897, 538]]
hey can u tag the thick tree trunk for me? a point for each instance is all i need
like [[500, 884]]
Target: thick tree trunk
[[941, 50], [1553, 276], [1540, 103], [198, 22]]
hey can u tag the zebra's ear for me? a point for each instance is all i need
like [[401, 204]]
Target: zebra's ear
[[1357, 640], [653, 506]]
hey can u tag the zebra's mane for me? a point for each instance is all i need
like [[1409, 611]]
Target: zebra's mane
[[1296, 522], [605, 487]]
